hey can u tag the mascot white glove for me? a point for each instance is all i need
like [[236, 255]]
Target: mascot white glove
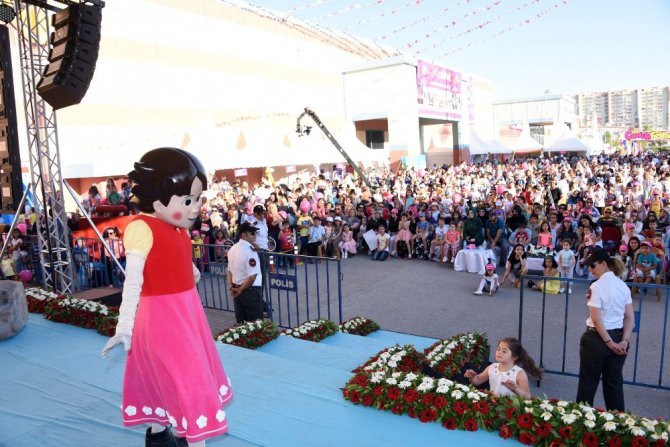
[[130, 299]]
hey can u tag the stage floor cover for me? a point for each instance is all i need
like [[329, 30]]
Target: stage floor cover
[[55, 390]]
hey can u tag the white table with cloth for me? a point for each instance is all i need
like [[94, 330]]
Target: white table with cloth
[[473, 260]]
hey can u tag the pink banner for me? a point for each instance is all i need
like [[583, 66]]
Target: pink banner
[[438, 91]]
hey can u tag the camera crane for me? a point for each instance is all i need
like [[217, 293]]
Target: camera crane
[[305, 130]]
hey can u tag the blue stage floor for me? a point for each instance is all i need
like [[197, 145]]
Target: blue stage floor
[[55, 390]]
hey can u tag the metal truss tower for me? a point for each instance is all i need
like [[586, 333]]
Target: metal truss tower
[[45, 168]]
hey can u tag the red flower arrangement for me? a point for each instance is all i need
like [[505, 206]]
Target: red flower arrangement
[[314, 330], [250, 335], [82, 313], [392, 381], [448, 357], [38, 298], [359, 326]]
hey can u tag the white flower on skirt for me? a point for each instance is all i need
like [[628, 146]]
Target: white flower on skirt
[[220, 415], [201, 421], [147, 410], [172, 420], [160, 412], [131, 411], [183, 423], [223, 390]]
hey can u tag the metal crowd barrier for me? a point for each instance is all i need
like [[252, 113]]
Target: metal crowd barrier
[[296, 288], [553, 325]]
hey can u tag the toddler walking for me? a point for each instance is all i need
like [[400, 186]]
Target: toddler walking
[[490, 281], [507, 376], [566, 264]]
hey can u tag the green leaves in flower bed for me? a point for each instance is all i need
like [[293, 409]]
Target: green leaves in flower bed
[[250, 335], [313, 330], [38, 298], [359, 326], [397, 358], [82, 313], [448, 357]]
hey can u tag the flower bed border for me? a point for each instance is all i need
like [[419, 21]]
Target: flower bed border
[[359, 326], [250, 335], [538, 422], [312, 330]]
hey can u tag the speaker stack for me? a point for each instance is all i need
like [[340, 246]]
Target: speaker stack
[[74, 51]]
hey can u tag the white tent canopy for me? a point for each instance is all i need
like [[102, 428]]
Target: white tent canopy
[[525, 143], [594, 140], [566, 142], [227, 148], [479, 146]]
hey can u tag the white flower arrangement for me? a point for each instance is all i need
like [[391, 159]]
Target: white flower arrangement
[[85, 305], [41, 294], [388, 359], [359, 326], [313, 330], [250, 335]]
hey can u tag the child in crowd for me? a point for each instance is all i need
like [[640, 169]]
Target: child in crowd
[[550, 269], [347, 244], [381, 252], [507, 376], [436, 251], [421, 235], [645, 265], [404, 235], [452, 244], [8, 268], [566, 264], [304, 221], [489, 282], [197, 242], [15, 248], [219, 241], [544, 238], [627, 261]]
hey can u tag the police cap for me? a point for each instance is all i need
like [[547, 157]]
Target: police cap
[[246, 227]]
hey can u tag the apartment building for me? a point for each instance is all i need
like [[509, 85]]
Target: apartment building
[[632, 108]]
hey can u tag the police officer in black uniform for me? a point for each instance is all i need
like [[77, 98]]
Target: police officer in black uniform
[[245, 276]]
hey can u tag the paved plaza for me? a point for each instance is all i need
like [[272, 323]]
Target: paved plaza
[[431, 299]]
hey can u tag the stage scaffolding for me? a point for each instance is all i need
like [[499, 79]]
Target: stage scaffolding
[[34, 30]]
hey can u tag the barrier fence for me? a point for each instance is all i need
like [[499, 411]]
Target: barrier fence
[[296, 288], [553, 324]]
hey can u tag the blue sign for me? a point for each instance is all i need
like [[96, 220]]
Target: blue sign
[[217, 268], [281, 281]]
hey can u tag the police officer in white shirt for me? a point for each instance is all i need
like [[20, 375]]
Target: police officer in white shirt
[[604, 345], [245, 276], [262, 225]]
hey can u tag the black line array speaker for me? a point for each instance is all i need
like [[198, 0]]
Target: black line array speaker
[[74, 51]]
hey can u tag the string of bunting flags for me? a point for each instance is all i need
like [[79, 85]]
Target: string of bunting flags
[[448, 25], [508, 29], [476, 27]]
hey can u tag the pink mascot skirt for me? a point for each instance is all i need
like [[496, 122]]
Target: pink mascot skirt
[[173, 371]]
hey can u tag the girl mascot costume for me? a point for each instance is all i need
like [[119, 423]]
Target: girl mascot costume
[[173, 374]]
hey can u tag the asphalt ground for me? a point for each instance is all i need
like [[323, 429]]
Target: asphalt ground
[[431, 299]]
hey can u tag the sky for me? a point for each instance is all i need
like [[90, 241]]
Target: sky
[[580, 46]]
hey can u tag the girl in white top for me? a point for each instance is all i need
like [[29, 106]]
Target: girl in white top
[[507, 377]]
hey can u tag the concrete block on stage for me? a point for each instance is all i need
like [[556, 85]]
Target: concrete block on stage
[[13, 308]]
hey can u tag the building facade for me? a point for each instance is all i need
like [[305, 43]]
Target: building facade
[[631, 108], [544, 115]]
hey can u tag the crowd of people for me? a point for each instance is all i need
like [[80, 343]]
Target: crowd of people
[[561, 208]]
